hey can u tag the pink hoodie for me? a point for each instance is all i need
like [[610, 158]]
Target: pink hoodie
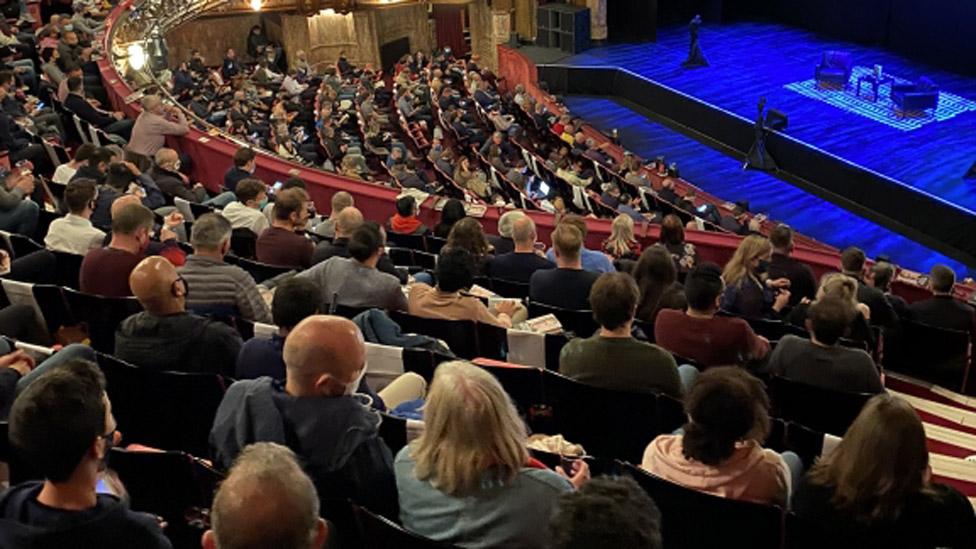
[[750, 474]]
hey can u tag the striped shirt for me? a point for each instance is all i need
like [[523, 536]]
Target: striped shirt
[[221, 289]]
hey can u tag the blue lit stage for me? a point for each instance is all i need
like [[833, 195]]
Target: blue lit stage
[[749, 60]]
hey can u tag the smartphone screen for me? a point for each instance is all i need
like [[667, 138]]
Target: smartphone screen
[[277, 186]]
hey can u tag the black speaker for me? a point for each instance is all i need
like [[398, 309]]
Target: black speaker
[[776, 120]]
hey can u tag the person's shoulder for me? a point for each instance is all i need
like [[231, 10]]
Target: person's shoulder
[[140, 530], [545, 479]]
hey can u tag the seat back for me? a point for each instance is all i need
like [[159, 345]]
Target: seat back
[[382, 533], [524, 386], [694, 520], [168, 410], [68, 267], [815, 407], [173, 485], [102, 314], [412, 241], [580, 323], [461, 335], [612, 424], [774, 330], [434, 244], [510, 288], [933, 354], [243, 242], [259, 271]]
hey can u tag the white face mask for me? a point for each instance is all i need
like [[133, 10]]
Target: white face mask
[[354, 386]]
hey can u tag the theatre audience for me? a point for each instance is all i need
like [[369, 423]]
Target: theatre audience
[[749, 292], [166, 174], [452, 213], [111, 122], [449, 299], [821, 360], [720, 451], [62, 425], [294, 300], [503, 243], [245, 212], [852, 264], [74, 233], [340, 201], [844, 288], [568, 285], [656, 278], [345, 224], [591, 260], [880, 277], [216, 288], [105, 271], [405, 220], [281, 244], [698, 334], [621, 244], [165, 336], [467, 234], [876, 489], [607, 511], [18, 213], [802, 282], [66, 171], [355, 281], [942, 310], [316, 413], [611, 358], [245, 160], [673, 238], [478, 491], [519, 264], [266, 500], [154, 123]]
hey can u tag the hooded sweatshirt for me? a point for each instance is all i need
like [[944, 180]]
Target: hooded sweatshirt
[[337, 439], [182, 342], [407, 225], [751, 473], [109, 524]]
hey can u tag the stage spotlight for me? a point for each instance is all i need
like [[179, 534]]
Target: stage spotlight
[[137, 56], [256, 5]]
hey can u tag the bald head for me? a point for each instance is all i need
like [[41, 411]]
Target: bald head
[[121, 202], [154, 283], [324, 356], [348, 220], [523, 231], [266, 501]]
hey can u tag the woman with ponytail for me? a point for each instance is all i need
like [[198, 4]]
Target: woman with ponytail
[[720, 451]]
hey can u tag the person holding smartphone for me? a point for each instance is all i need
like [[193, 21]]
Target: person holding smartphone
[[18, 213]]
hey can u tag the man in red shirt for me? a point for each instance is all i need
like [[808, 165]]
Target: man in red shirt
[[698, 334]]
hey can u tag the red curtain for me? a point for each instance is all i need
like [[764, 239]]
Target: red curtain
[[450, 28]]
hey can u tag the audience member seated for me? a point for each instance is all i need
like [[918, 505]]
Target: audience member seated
[[340, 201], [18, 369], [606, 512], [105, 271], [111, 122], [316, 413], [749, 292], [467, 234], [476, 491], [266, 500], [346, 223], [876, 490], [62, 425], [405, 221], [503, 242], [525, 259], [942, 310], [452, 213], [165, 337], [844, 288], [879, 277], [568, 285], [701, 336], [802, 282], [821, 361], [123, 178], [449, 300], [852, 264], [656, 278], [281, 244], [245, 160], [621, 244], [154, 123], [683, 253], [245, 212], [720, 451], [18, 213], [66, 171], [612, 358], [592, 261], [355, 281], [216, 288], [74, 233], [294, 300], [166, 173]]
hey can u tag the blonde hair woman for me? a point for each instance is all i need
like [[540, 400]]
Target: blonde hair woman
[[622, 244], [844, 288], [467, 479], [876, 490], [748, 291]]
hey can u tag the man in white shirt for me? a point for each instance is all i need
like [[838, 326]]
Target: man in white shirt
[[245, 212], [74, 233], [65, 172], [292, 86]]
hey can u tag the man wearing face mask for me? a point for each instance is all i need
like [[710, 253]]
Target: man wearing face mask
[[246, 212], [316, 413], [62, 425], [172, 183], [167, 337]]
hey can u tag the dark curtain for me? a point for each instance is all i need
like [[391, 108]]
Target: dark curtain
[[939, 32], [450, 28], [632, 20], [864, 21]]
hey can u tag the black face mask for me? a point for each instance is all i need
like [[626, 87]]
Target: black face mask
[[763, 267]]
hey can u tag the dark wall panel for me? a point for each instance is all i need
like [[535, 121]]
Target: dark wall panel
[[864, 21], [632, 20], [939, 32]]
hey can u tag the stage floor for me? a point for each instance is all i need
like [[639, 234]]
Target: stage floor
[[749, 60]]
